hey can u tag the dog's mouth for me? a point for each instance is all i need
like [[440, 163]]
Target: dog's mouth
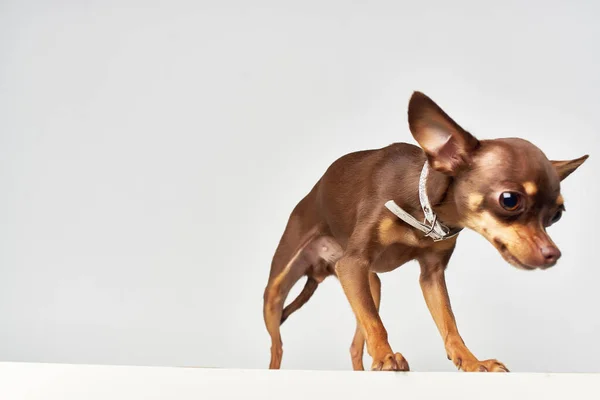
[[514, 261], [510, 257], [517, 263]]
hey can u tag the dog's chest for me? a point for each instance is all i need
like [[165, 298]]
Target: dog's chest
[[393, 231], [392, 257], [403, 244]]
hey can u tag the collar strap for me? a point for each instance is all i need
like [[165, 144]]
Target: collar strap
[[430, 225]]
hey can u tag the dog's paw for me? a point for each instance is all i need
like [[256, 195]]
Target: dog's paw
[[480, 366], [391, 362]]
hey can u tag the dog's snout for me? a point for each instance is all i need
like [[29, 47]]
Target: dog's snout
[[551, 254]]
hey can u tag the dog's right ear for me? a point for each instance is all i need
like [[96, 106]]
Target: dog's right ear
[[446, 144]]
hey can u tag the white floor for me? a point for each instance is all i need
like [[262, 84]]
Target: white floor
[[91, 382]]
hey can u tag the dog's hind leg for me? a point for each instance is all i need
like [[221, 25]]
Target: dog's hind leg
[[289, 265], [358, 343], [322, 253], [306, 293], [312, 258]]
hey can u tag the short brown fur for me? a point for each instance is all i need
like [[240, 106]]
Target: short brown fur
[[342, 228]]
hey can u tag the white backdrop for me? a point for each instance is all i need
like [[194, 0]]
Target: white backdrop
[[150, 154]]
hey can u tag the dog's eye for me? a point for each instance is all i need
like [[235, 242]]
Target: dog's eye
[[556, 216], [510, 201]]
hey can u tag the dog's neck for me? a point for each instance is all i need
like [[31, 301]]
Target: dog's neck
[[440, 190]]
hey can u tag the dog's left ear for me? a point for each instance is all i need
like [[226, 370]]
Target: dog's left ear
[[565, 168], [448, 146]]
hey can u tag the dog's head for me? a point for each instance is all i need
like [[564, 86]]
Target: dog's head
[[504, 189]]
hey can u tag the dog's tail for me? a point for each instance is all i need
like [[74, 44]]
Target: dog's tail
[[305, 294]]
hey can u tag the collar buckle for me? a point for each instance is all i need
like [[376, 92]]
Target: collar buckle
[[430, 225]]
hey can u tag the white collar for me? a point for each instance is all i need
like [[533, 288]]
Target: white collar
[[430, 226]]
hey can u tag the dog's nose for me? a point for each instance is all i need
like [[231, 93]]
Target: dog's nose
[[551, 254]]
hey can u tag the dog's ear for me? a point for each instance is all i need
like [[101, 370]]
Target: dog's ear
[[446, 144], [565, 168]]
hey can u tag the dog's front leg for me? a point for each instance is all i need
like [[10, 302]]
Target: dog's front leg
[[353, 273], [433, 285]]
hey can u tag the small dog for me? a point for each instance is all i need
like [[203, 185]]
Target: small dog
[[363, 217]]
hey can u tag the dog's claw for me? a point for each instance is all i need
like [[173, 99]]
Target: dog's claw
[[480, 366], [401, 362], [391, 362]]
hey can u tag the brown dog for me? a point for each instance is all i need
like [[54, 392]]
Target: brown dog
[[356, 222]]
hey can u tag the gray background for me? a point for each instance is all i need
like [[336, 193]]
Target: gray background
[[150, 155]]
